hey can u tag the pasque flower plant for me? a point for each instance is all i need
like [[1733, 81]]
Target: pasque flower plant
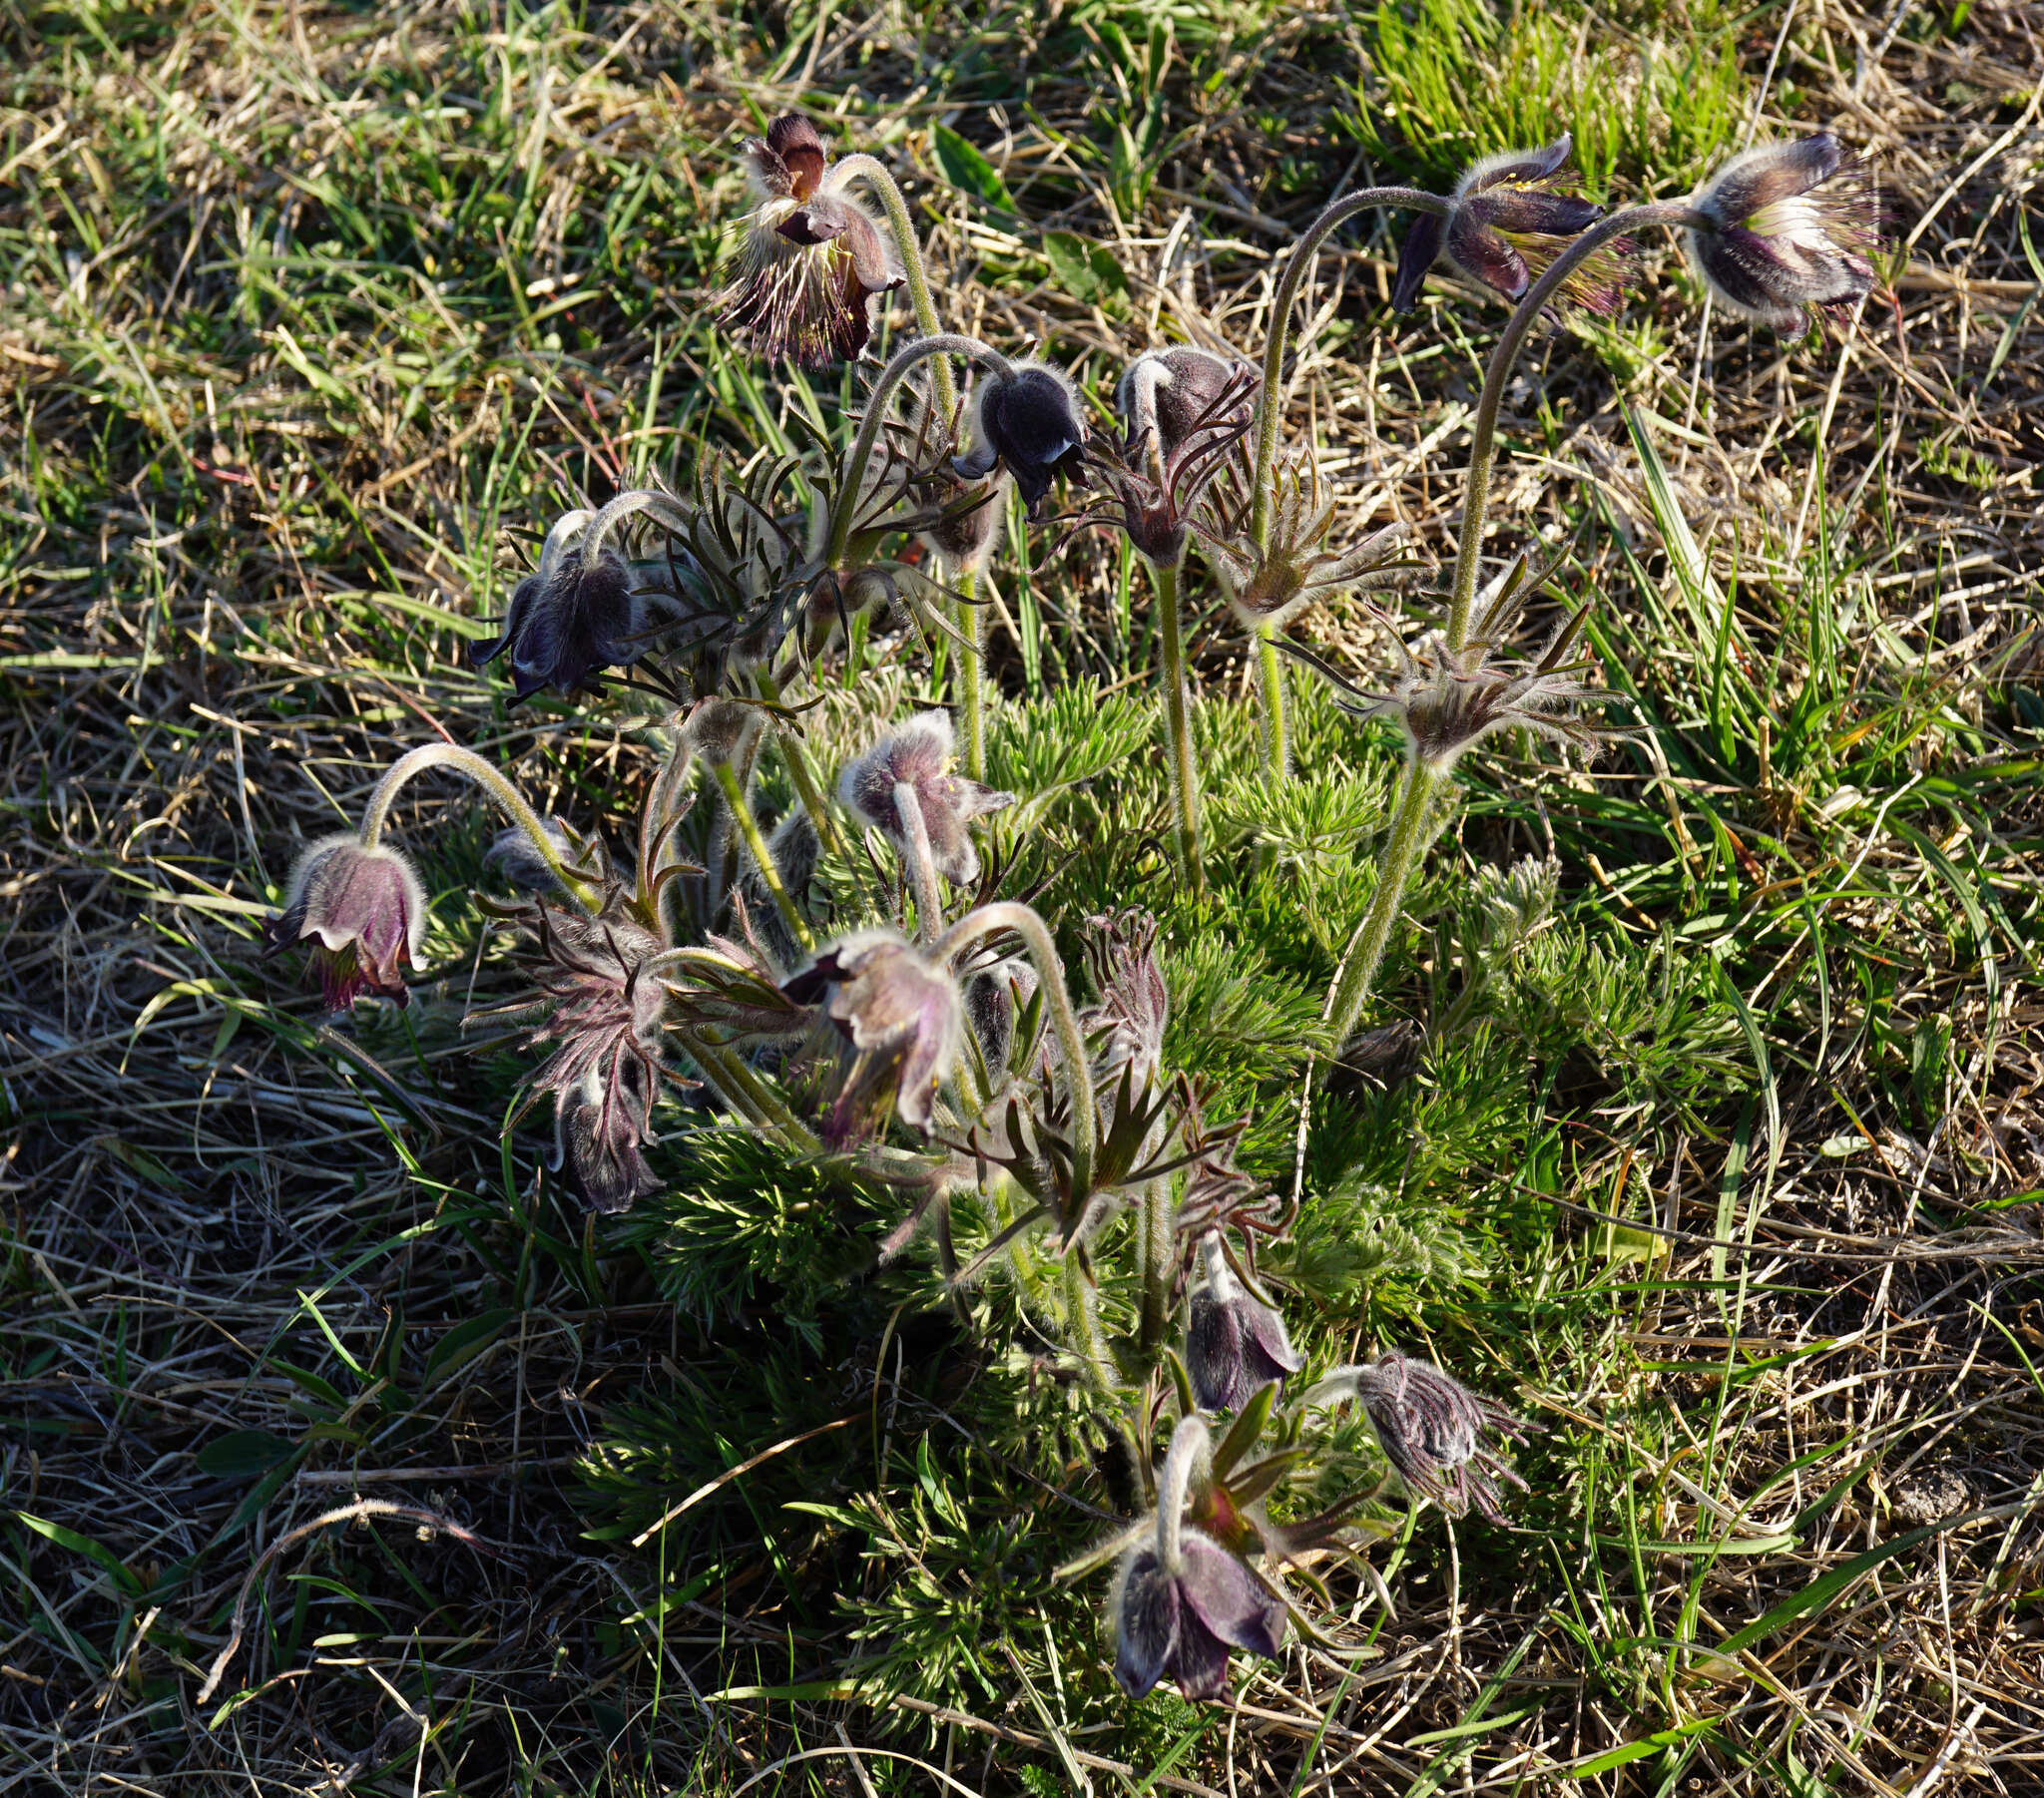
[[816, 934]]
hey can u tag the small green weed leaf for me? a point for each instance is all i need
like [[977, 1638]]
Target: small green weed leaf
[[1628, 1752], [963, 164], [243, 1453], [1087, 272], [96, 1552]]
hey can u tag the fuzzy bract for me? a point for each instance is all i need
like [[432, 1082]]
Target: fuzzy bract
[[919, 756]]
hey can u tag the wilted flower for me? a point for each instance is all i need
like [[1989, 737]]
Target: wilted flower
[[1298, 565], [368, 910], [918, 756], [1029, 421], [601, 1011], [1777, 249], [901, 1012], [1432, 1428], [1182, 1599], [1509, 216], [1135, 1002], [813, 259], [1160, 475], [1447, 699], [1177, 391], [568, 620], [1235, 1343]]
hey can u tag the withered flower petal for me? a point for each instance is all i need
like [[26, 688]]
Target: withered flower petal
[[1778, 251], [566, 623], [367, 910], [919, 756], [901, 1012], [598, 1129], [1432, 1428]]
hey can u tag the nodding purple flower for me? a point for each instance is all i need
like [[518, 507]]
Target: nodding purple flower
[[1182, 1599], [367, 910], [900, 1013], [1432, 1428], [1509, 216], [568, 620], [1181, 433], [812, 261], [1779, 251], [1446, 701], [918, 756], [1029, 421], [1235, 1343], [601, 1011], [1182, 390]]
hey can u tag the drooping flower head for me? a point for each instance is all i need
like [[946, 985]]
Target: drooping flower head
[[1176, 392], [1432, 1428], [1182, 1599], [596, 1005], [1509, 216], [812, 259], [903, 1017], [1030, 422], [1235, 1343], [567, 619], [1779, 251], [918, 756], [1181, 429], [367, 910]]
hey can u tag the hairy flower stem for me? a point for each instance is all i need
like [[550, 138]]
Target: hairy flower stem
[[1006, 913], [922, 867], [1185, 770], [1083, 1324], [1271, 413], [1484, 433], [1159, 1239], [852, 478], [490, 779], [763, 856], [1190, 1458], [1402, 845], [971, 680], [743, 1092]]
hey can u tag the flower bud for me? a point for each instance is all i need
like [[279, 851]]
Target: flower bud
[[919, 756], [367, 911], [565, 623], [720, 729], [1235, 1344], [1030, 422], [1175, 392]]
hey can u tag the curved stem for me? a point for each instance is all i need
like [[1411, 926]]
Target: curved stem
[[1007, 915], [1269, 403], [971, 684], [763, 855], [1189, 1458], [1484, 433], [637, 499], [491, 780], [852, 478], [922, 867], [1350, 993], [942, 388], [1185, 770]]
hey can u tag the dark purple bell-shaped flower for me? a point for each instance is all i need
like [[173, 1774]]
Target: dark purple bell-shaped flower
[[599, 1126], [1029, 421], [1778, 251], [1509, 216], [367, 910], [568, 620], [1180, 1626], [1235, 1343], [1177, 391]]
